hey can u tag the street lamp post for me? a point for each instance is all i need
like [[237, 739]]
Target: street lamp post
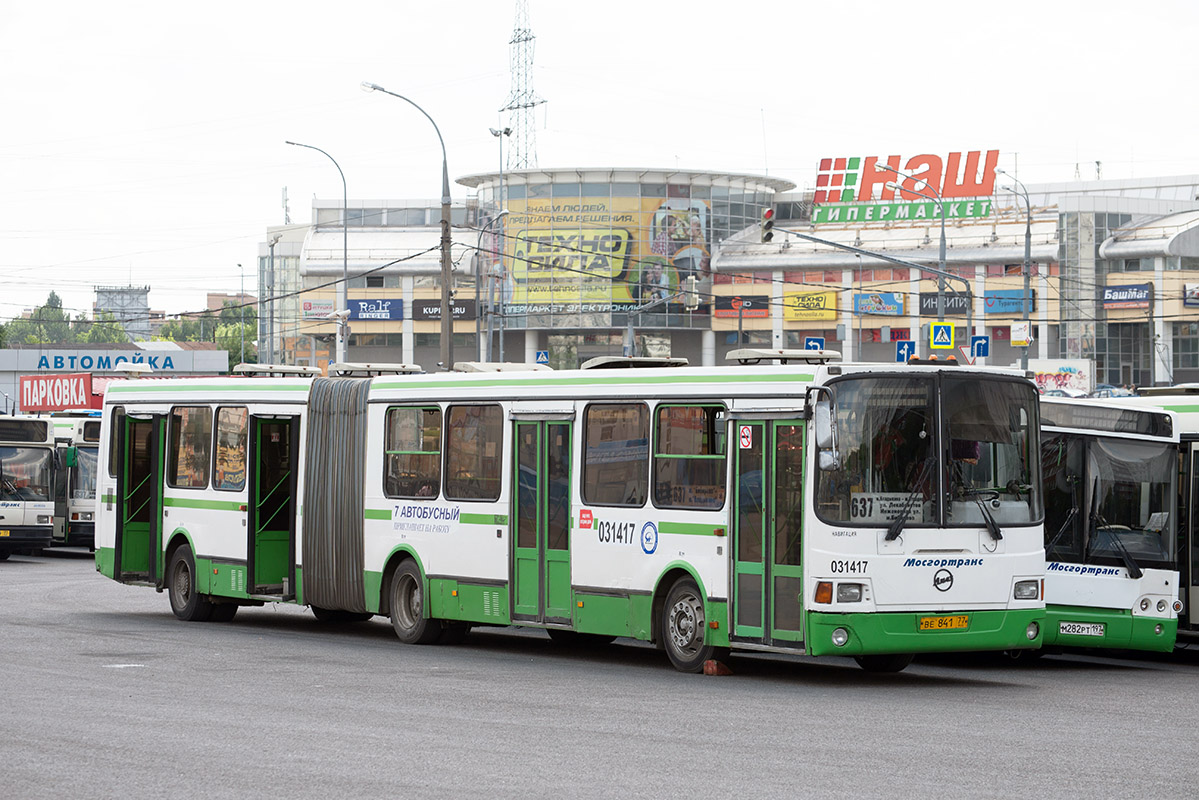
[[447, 320], [1027, 299], [342, 298], [241, 302], [478, 279], [940, 201], [499, 134], [270, 303]]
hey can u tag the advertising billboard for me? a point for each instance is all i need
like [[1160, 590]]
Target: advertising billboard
[[599, 254], [749, 307], [391, 308], [57, 392], [809, 306], [887, 304], [870, 189], [1132, 295], [1007, 301]]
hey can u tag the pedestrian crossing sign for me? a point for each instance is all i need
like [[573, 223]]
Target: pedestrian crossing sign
[[941, 336]]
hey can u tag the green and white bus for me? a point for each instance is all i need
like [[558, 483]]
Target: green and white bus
[[77, 434], [802, 508], [1110, 474], [1183, 402], [27, 467]]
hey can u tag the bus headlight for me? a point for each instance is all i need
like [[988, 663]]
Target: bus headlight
[[1032, 630], [849, 592], [840, 637], [1026, 590], [43, 519], [86, 516]]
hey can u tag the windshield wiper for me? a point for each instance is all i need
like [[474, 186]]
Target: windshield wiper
[[964, 489], [1130, 563], [1066, 524], [897, 526]]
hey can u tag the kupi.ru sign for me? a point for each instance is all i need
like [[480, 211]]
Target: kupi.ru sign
[[852, 190]]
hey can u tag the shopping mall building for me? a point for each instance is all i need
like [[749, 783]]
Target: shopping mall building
[[1113, 278]]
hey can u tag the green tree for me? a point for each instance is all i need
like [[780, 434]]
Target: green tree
[[101, 330], [48, 324], [239, 341]]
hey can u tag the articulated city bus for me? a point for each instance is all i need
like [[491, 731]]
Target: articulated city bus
[[804, 508], [1183, 402], [1112, 576], [77, 434], [27, 466]]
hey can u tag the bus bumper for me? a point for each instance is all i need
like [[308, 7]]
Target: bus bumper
[[25, 537], [899, 632], [1120, 629], [81, 534]]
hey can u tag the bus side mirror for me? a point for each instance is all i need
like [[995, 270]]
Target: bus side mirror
[[827, 457]]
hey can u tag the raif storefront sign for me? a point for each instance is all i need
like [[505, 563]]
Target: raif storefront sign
[[851, 189]]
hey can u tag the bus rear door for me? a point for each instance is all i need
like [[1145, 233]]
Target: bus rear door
[[138, 553]]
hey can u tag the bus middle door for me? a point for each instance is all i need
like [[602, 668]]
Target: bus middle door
[[271, 523], [540, 526]]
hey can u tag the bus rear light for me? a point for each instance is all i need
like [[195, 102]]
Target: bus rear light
[[75, 516], [839, 637], [1144, 603], [824, 593], [849, 592], [1027, 590], [1177, 606], [1161, 605], [1158, 629]]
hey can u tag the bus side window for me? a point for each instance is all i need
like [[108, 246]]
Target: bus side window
[[117, 421], [412, 453], [190, 442]]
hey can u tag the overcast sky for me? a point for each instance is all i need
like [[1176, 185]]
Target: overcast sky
[[144, 142]]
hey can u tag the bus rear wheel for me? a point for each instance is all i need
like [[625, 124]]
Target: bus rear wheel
[[683, 627], [187, 603], [408, 607], [223, 612], [892, 662]]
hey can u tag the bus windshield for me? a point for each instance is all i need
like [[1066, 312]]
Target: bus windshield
[[83, 474], [895, 452], [25, 473], [1132, 495]]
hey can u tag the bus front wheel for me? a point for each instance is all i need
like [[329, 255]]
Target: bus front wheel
[[683, 627], [187, 603], [408, 607]]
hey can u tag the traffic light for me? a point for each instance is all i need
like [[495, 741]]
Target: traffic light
[[691, 293], [767, 225]]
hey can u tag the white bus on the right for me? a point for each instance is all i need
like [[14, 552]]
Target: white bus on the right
[[1111, 517]]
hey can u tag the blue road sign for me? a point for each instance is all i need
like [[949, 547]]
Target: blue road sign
[[904, 350], [813, 343], [980, 346], [543, 357], [941, 336]]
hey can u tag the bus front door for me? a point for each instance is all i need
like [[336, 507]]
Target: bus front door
[[540, 526], [138, 552], [767, 528], [271, 550]]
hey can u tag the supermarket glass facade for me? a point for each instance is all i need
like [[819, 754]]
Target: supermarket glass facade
[[579, 249]]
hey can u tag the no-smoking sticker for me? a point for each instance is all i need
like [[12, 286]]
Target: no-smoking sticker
[[747, 437]]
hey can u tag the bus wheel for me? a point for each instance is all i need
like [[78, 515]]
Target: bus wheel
[[408, 606], [894, 662], [683, 627], [223, 612], [186, 602]]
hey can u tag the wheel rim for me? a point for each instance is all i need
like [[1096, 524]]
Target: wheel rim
[[181, 584], [408, 602], [685, 625]]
